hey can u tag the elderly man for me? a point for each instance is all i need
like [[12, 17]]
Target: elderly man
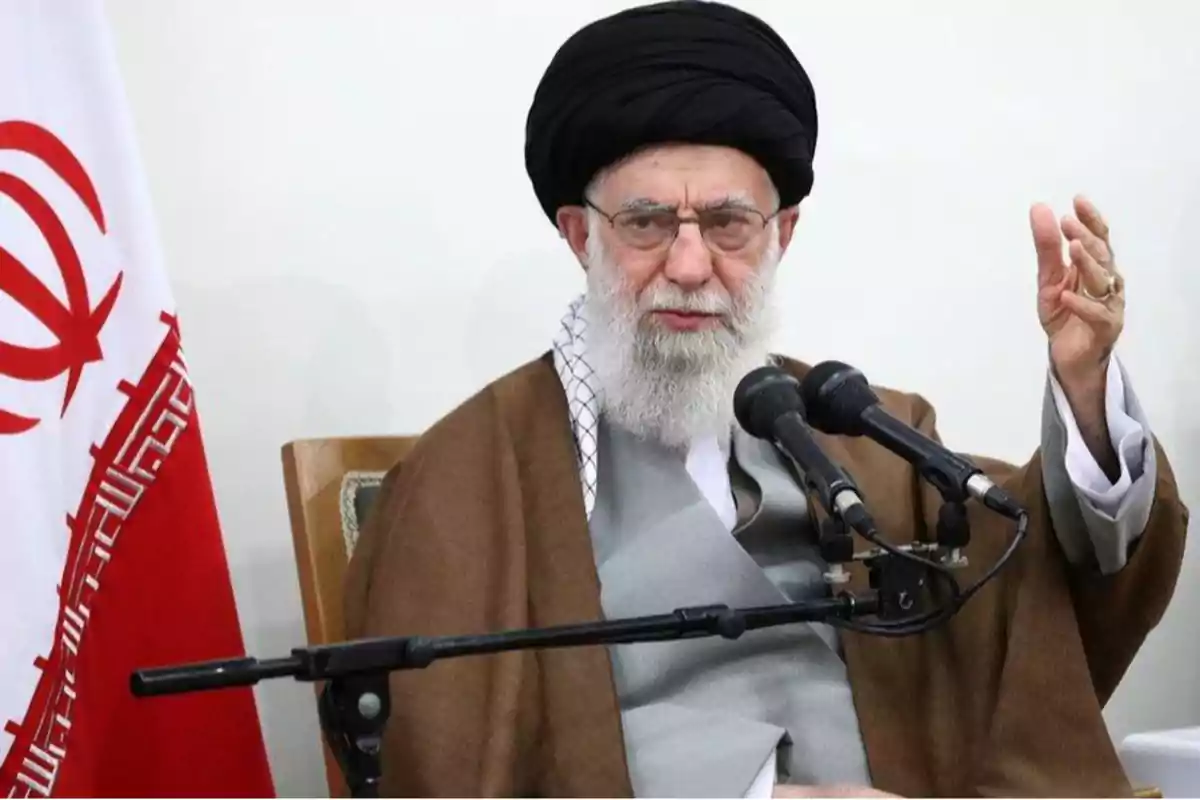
[[671, 145]]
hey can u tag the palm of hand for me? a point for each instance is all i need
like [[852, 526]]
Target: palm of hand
[[1071, 338]]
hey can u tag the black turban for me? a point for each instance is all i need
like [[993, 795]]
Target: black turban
[[684, 71]]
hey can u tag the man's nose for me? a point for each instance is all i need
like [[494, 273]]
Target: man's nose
[[689, 261]]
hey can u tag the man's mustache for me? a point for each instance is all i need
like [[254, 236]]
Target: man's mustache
[[693, 302]]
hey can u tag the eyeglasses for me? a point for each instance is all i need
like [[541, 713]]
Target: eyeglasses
[[725, 229]]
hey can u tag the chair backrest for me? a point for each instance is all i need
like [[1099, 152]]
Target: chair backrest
[[330, 486]]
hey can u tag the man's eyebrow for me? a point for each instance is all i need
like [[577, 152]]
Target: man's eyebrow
[[738, 200], [646, 204]]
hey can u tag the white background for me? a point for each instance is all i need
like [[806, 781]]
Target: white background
[[355, 247]]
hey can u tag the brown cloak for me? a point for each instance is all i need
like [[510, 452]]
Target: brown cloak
[[483, 529]]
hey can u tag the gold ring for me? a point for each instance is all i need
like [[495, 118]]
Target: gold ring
[[1111, 288]]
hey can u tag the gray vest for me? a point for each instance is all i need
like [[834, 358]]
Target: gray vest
[[701, 717]]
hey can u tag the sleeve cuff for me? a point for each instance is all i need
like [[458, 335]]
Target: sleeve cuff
[[1128, 438]]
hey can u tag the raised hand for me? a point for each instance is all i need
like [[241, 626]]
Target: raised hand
[[1081, 298]]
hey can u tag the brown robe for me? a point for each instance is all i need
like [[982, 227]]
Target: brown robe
[[483, 529]]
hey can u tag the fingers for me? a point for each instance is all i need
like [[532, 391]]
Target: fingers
[[1076, 231], [1047, 241], [1092, 230], [1089, 215], [1094, 276]]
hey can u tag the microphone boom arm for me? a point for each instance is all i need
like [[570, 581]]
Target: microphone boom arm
[[363, 656], [355, 702]]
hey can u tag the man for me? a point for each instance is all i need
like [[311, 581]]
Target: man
[[671, 146]]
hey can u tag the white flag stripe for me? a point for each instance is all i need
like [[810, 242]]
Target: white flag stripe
[[69, 87]]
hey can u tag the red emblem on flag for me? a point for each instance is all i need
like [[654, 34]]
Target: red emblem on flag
[[75, 324]]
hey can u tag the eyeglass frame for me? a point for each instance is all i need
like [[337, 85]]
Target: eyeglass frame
[[723, 206]]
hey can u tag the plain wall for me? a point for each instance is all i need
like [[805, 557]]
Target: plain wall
[[355, 247]]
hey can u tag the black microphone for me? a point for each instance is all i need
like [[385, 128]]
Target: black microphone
[[767, 405], [839, 401]]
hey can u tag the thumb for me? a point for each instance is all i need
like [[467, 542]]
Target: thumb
[[1048, 244]]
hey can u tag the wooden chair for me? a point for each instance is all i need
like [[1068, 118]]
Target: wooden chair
[[330, 485]]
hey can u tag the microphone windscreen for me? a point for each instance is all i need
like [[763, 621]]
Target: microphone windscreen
[[764, 395], [835, 395]]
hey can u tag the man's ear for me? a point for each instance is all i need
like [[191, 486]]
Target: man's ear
[[788, 218], [572, 226]]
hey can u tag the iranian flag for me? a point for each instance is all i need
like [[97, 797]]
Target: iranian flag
[[112, 555]]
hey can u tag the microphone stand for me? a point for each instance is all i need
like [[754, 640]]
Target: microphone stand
[[355, 702], [954, 531]]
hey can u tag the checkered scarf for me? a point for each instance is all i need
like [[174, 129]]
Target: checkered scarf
[[705, 460], [583, 402]]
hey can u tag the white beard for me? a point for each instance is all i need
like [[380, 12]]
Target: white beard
[[674, 386]]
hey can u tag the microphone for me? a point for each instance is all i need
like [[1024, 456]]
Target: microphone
[[839, 401], [767, 405]]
